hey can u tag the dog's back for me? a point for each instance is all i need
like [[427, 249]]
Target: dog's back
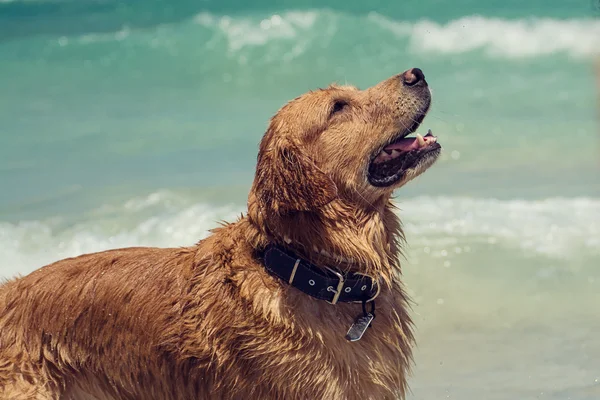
[[96, 322], [192, 323]]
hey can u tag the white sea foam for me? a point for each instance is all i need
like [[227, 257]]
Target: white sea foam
[[555, 228], [160, 219], [507, 38], [500, 37], [243, 32], [291, 33]]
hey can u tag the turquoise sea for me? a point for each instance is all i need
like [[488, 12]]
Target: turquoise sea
[[137, 123]]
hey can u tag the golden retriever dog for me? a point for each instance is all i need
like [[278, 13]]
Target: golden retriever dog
[[279, 304]]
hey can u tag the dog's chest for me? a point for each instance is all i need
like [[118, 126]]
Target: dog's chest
[[372, 368]]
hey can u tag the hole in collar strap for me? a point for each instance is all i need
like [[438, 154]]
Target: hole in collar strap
[[364, 287]]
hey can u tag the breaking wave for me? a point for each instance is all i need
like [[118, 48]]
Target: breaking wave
[[555, 228]]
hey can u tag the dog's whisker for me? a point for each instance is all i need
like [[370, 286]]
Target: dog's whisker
[[364, 199], [438, 110], [439, 118]]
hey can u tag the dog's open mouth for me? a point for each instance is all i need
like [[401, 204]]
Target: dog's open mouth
[[390, 164]]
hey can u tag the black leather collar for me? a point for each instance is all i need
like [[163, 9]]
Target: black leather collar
[[325, 284]]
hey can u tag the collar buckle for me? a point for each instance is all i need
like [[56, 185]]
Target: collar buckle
[[338, 290], [321, 282]]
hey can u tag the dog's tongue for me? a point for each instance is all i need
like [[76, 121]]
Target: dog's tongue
[[411, 143], [405, 144]]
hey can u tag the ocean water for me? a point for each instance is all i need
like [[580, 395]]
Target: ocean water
[[137, 123]]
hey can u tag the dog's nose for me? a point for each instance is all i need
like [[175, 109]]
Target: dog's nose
[[413, 76]]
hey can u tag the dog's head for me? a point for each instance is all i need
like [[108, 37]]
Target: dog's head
[[345, 143]]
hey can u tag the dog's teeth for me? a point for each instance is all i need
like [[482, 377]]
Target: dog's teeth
[[429, 133], [287, 239], [420, 140], [395, 153]]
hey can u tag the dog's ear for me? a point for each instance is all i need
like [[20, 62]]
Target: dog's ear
[[288, 180]]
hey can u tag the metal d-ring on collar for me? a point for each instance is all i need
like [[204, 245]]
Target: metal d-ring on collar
[[364, 288], [329, 285]]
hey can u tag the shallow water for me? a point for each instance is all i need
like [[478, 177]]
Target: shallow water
[[122, 123]]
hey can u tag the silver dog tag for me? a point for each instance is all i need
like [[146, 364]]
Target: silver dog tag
[[359, 327]]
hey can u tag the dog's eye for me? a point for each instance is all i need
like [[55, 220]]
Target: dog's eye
[[338, 106]]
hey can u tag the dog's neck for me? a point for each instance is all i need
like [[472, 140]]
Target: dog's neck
[[339, 235], [329, 258]]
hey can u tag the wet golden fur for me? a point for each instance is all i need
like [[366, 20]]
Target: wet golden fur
[[207, 321]]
